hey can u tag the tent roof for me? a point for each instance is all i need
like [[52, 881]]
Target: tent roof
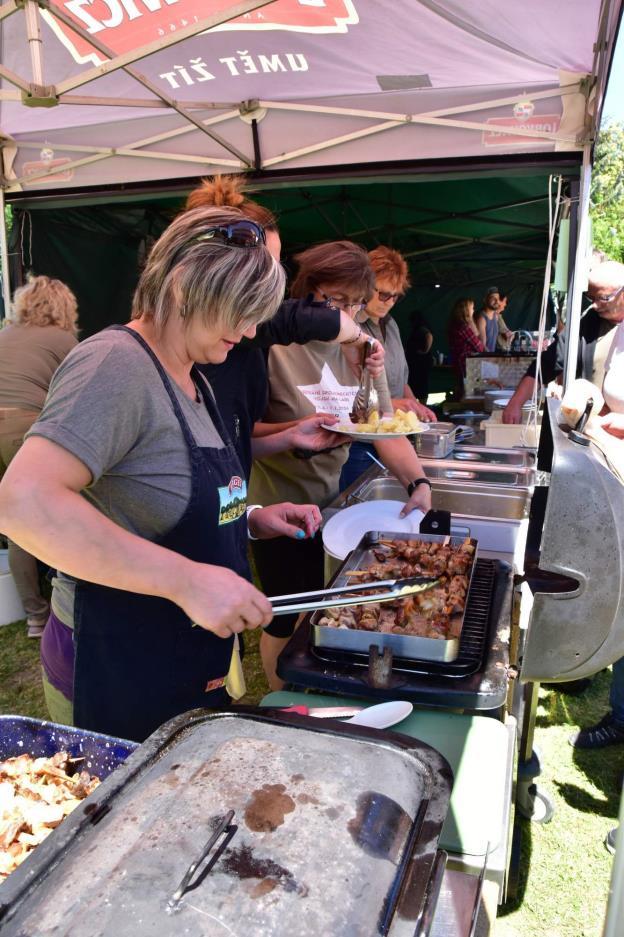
[[109, 92]]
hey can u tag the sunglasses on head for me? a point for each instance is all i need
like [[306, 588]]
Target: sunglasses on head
[[241, 233], [385, 296]]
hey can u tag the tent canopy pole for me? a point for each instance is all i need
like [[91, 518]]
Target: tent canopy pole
[[579, 283], [4, 258]]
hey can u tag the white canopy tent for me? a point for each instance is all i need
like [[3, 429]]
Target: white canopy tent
[[101, 93]]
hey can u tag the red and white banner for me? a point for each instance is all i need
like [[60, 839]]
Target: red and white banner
[[124, 25]]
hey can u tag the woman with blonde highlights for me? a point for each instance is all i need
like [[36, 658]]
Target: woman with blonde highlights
[[42, 332], [129, 484]]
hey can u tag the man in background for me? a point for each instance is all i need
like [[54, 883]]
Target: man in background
[[505, 335]]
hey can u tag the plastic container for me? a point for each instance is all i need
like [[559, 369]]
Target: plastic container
[[11, 608], [506, 436]]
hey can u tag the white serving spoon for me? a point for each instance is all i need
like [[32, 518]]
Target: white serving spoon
[[382, 715]]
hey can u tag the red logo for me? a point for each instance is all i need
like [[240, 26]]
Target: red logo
[[36, 166], [547, 123], [236, 484], [123, 25]]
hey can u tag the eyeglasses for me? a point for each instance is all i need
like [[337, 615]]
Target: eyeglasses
[[385, 296], [340, 303], [242, 233], [603, 300]]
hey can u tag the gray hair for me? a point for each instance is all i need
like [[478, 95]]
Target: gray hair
[[237, 287], [609, 273]]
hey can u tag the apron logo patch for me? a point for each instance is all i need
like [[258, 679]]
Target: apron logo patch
[[232, 500], [215, 684]]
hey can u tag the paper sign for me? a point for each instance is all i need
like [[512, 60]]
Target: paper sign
[[329, 395], [489, 370]]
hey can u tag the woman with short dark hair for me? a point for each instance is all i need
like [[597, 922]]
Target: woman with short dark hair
[[338, 274]]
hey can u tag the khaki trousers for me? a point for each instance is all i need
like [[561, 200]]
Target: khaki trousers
[[14, 423]]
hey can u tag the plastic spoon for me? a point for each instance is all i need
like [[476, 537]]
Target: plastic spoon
[[382, 715]]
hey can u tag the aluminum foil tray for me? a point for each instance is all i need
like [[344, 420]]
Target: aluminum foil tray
[[407, 646]]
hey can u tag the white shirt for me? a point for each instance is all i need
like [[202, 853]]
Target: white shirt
[[613, 386]]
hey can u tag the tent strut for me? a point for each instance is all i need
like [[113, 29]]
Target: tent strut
[[4, 258]]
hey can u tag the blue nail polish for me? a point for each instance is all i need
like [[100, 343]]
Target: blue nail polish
[[300, 534]]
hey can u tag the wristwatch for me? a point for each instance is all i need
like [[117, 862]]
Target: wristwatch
[[411, 488]]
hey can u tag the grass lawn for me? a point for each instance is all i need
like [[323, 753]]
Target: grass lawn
[[565, 869]]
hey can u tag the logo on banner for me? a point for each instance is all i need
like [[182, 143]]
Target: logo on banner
[[524, 116], [232, 500], [124, 25], [32, 167]]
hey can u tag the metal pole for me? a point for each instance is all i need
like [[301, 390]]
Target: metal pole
[[579, 283], [615, 906], [35, 44], [4, 259]]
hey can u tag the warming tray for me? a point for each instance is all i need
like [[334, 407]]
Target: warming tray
[[437, 442], [410, 647], [336, 832]]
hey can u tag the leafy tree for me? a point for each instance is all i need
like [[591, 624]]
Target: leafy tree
[[607, 192]]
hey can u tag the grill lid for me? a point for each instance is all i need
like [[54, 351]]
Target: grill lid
[[331, 825]]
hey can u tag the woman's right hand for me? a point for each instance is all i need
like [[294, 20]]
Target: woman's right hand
[[374, 362], [217, 599]]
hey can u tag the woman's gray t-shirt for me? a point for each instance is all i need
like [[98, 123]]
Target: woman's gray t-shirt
[[108, 406]]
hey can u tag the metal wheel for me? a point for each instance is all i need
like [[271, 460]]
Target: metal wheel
[[534, 804]]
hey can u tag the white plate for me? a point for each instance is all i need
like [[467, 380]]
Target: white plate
[[373, 436], [344, 530]]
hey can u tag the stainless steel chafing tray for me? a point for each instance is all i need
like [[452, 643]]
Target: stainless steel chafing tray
[[406, 646], [334, 831], [438, 442]]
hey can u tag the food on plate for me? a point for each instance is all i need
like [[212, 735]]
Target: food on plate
[[36, 794], [434, 613], [403, 421]]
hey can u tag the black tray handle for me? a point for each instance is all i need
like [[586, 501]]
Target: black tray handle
[[436, 522]]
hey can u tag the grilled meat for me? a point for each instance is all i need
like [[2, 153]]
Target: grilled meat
[[435, 613]]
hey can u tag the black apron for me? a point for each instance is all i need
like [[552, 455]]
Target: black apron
[[139, 659]]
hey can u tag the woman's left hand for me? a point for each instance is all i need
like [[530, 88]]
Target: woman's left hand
[[299, 521], [420, 499], [309, 434]]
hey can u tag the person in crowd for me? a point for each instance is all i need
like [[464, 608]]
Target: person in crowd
[[339, 274], [597, 332], [41, 334], [464, 340], [598, 362], [391, 281], [240, 383], [419, 355], [487, 319], [130, 485], [505, 334]]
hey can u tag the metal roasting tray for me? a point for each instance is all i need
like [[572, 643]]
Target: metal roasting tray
[[406, 646], [336, 831]]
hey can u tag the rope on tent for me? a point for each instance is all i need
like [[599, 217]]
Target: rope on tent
[[553, 215]]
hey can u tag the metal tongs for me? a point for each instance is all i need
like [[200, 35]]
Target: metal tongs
[[223, 826], [364, 400], [333, 598]]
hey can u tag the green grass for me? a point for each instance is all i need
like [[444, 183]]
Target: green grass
[[564, 875]]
